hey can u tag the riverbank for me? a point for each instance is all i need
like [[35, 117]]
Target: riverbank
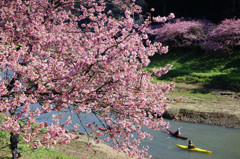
[[211, 118], [76, 149], [214, 107], [207, 86]]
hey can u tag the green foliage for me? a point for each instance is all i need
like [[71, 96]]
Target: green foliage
[[195, 67], [42, 153], [27, 152], [4, 137]]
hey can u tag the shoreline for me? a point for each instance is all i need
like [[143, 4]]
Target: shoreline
[[204, 106], [78, 148], [201, 117]]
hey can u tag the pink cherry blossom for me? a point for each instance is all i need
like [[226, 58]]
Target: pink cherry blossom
[[69, 120], [152, 9], [159, 19], [171, 16], [127, 14]]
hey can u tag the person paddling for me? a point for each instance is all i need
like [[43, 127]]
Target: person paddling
[[191, 145], [177, 132], [14, 142], [109, 127]]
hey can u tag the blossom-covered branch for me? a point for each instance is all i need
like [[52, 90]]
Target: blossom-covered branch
[[57, 56]]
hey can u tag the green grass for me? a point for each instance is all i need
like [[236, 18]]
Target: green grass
[[200, 79], [41, 153], [201, 94], [196, 67], [29, 153], [80, 146], [26, 152]]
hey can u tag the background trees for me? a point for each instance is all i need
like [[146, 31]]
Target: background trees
[[222, 39]]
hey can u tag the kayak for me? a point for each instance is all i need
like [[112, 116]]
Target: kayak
[[178, 136], [104, 129], [193, 149]]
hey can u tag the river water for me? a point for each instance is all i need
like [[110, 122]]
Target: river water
[[223, 142]]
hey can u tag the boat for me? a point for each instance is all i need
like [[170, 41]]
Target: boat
[[105, 129], [178, 136], [193, 149]]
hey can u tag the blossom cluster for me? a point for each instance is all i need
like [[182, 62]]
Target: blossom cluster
[[162, 71], [163, 19]]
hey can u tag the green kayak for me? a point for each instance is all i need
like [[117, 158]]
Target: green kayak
[[194, 149]]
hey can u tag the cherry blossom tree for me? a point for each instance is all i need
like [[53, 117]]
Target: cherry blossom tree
[[75, 56], [181, 32], [225, 38]]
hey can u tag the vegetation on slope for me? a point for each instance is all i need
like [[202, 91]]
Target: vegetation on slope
[[193, 66], [75, 150]]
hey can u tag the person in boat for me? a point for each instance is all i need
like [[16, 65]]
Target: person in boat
[[109, 127], [177, 132], [190, 144]]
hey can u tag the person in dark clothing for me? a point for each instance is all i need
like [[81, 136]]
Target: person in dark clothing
[[14, 142], [177, 132], [109, 127], [191, 145]]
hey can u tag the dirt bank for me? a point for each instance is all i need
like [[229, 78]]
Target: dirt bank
[[206, 106], [78, 149], [212, 118]]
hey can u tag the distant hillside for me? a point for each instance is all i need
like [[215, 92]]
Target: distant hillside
[[196, 67]]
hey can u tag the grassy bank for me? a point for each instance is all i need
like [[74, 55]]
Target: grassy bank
[[77, 149], [193, 66], [212, 100], [27, 153], [204, 82]]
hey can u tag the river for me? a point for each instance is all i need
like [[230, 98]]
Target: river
[[223, 142]]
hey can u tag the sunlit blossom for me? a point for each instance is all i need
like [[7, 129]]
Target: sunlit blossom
[[58, 65]]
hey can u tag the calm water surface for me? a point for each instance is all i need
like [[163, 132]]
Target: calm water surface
[[223, 142]]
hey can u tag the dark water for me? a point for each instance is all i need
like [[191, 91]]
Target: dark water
[[223, 142]]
